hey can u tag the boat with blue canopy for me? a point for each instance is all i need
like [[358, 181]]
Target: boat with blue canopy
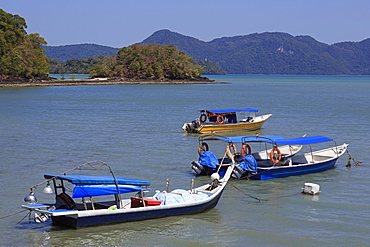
[[278, 166], [221, 120], [95, 207], [224, 152]]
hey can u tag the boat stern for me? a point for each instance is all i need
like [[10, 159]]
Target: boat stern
[[191, 127]]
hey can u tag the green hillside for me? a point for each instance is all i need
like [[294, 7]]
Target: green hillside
[[259, 53], [273, 53], [67, 52]]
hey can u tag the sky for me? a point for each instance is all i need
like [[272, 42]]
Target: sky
[[121, 23]]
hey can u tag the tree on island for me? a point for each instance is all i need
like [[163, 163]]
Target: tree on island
[[21, 54], [148, 61]]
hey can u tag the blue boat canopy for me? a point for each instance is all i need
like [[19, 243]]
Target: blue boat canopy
[[87, 190], [293, 141], [231, 110], [84, 179], [277, 140], [236, 139], [303, 140]]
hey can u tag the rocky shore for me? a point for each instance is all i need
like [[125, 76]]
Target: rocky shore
[[102, 81]]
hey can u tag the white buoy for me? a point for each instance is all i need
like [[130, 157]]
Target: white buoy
[[311, 188], [215, 177]]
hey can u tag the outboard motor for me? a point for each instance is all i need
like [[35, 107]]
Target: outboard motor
[[247, 165], [195, 123], [197, 168], [239, 172]]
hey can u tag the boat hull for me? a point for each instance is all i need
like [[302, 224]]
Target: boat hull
[[77, 221], [134, 216], [225, 127], [285, 171]]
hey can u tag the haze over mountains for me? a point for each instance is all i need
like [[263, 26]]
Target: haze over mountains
[[259, 53]]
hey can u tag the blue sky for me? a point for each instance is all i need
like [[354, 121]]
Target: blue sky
[[120, 23]]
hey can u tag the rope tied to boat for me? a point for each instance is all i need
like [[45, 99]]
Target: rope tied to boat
[[350, 158], [27, 215], [259, 199]]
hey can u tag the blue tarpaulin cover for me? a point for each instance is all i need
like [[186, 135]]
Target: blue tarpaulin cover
[[249, 163], [84, 179], [208, 158], [232, 110], [102, 189]]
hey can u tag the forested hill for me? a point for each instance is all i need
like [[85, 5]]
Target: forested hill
[[265, 53], [273, 53], [66, 52]]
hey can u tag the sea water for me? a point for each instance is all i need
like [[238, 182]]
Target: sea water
[[136, 129]]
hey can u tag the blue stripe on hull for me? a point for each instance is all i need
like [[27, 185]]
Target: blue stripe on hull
[[124, 217], [292, 171]]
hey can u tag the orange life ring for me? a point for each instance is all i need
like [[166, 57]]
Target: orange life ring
[[249, 150], [220, 119], [275, 155], [203, 118], [203, 147], [230, 153]]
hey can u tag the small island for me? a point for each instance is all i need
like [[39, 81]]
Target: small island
[[24, 64]]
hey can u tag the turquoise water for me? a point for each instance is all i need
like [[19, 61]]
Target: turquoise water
[[137, 130], [69, 76]]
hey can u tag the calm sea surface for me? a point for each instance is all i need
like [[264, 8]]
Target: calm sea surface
[[137, 130]]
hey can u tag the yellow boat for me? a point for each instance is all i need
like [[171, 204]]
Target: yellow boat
[[211, 121]]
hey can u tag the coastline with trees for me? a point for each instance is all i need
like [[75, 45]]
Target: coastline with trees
[[23, 62]]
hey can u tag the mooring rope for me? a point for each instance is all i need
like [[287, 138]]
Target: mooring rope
[[357, 163], [28, 214], [259, 200], [12, 214]]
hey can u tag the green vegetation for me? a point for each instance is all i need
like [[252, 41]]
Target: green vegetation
[[74, 66], [209, 67], [21, 54], [142, 61]]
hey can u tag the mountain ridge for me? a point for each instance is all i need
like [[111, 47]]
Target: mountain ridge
[[256, 53]]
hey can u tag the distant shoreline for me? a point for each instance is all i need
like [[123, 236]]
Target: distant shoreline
[[105, 81]]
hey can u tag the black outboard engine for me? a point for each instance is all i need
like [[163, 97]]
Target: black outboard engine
[[239, 172], [195, 123], [197, 168]]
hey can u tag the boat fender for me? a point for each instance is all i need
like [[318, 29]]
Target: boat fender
[[275, 155], [202, 118], [203, 147], [243, 151], [215, 177], [230, 150], [220, 119]]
